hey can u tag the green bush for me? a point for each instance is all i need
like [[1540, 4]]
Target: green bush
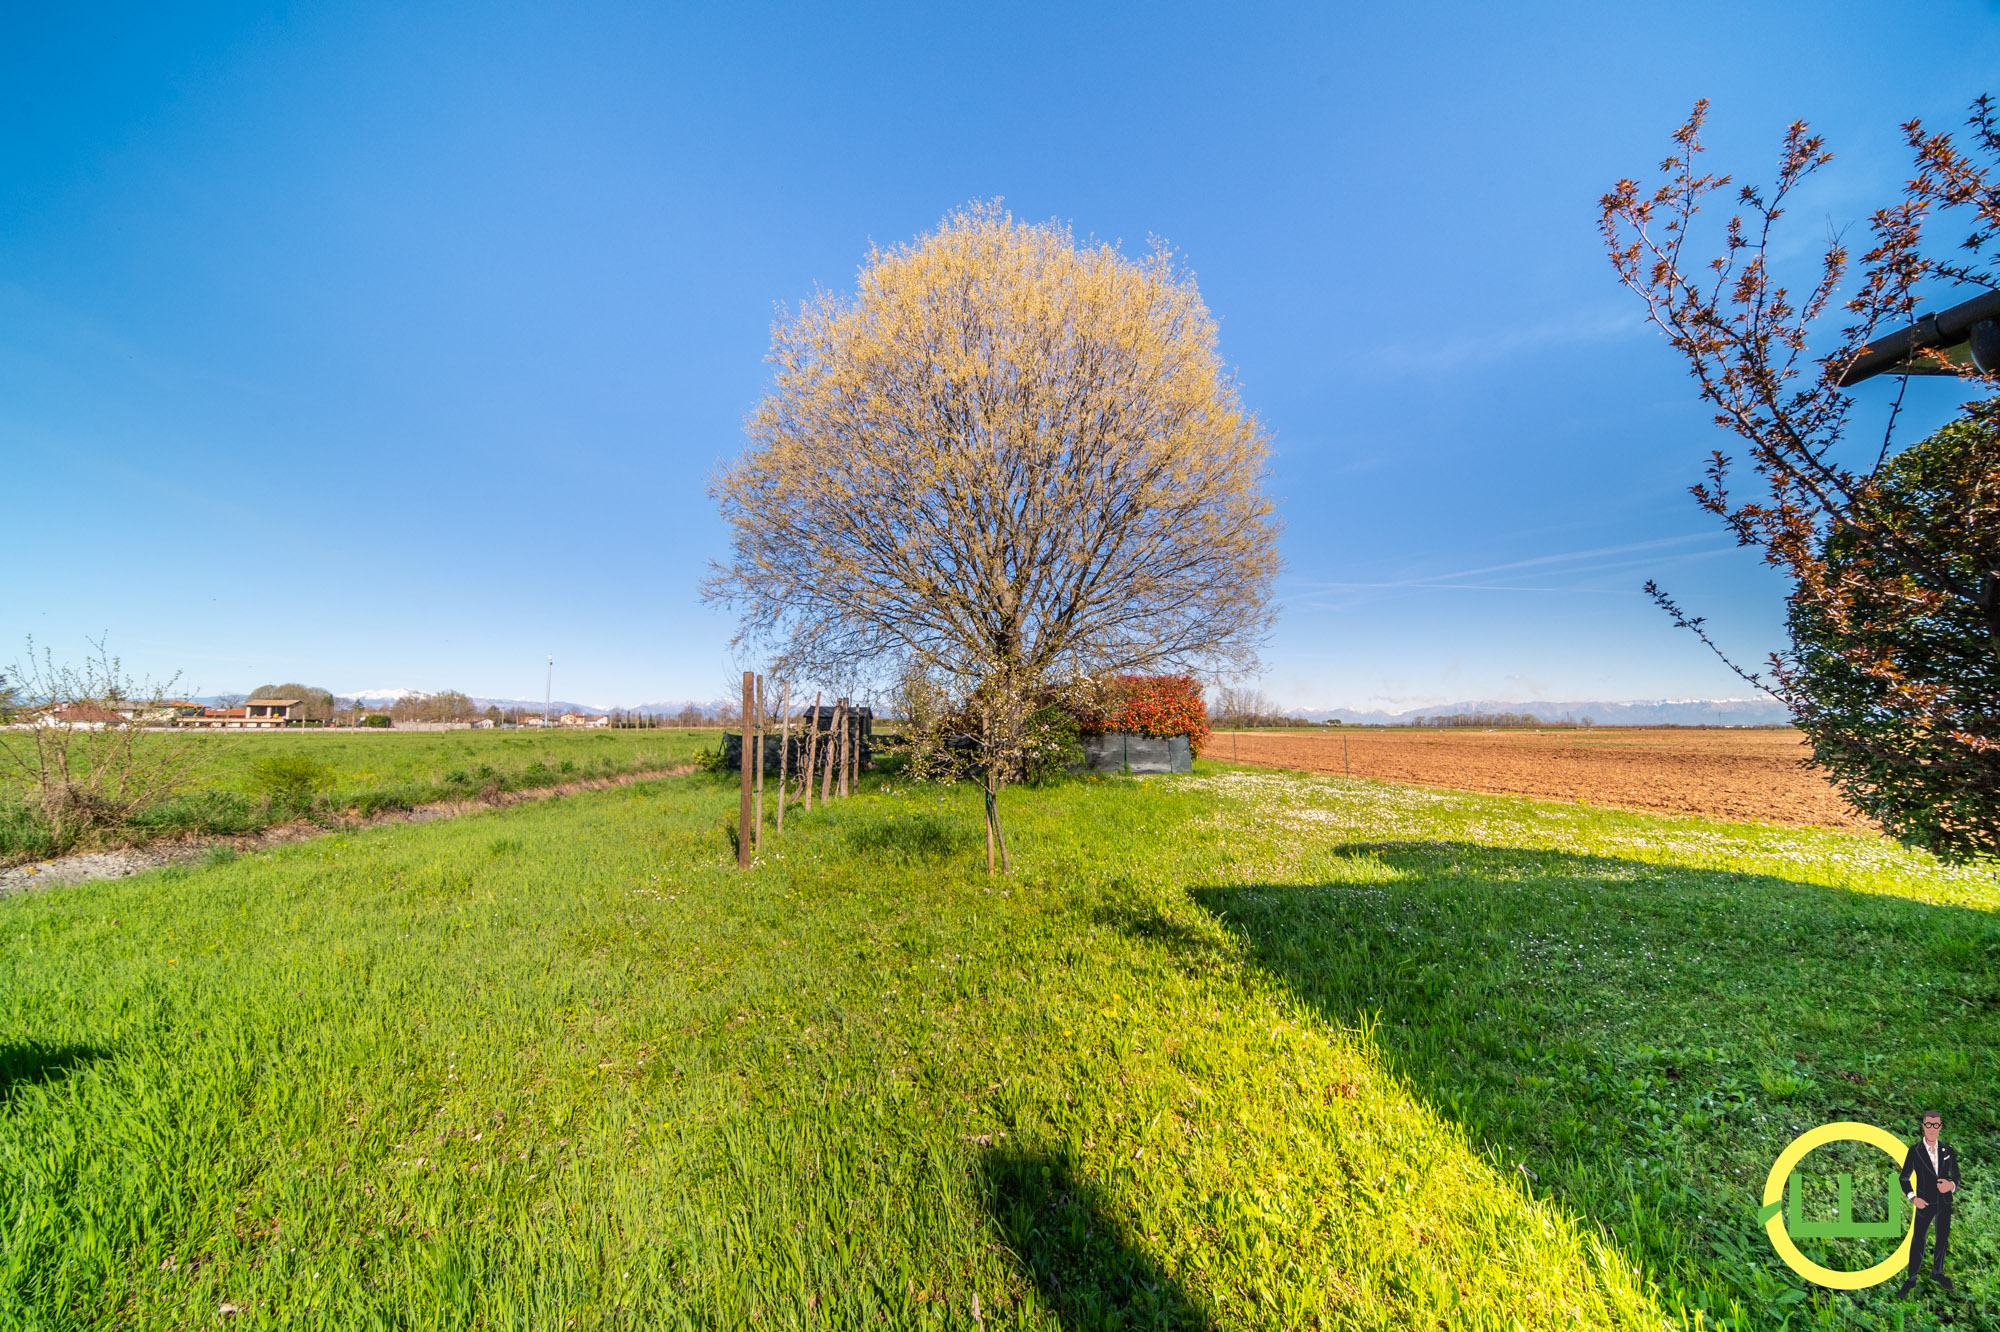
[[292, 782]]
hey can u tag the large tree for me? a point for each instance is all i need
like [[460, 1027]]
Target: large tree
[[1010, 460], [1893, 671]]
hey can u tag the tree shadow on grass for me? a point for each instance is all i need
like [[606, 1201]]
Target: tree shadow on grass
[[919, 838], [1644, 1038], [1075, 1248], [26, 1064]]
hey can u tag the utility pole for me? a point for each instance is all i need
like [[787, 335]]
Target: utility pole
[[548, 691]]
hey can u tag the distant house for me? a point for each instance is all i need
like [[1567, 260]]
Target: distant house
[[79, 717], [95, 715], [212, 718], [582, 719], [258, 714]]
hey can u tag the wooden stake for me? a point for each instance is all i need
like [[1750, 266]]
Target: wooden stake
[[840, 750], [812, 754], [760, 764], [743, 833], [826, 771], [784, 748]]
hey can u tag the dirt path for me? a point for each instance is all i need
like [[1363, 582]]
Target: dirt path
[[85, 866], [1725, 774]]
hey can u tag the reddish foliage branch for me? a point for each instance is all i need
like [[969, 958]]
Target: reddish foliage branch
[[1894, 567]]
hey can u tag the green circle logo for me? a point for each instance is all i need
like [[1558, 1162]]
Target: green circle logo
[[1784, 1229]]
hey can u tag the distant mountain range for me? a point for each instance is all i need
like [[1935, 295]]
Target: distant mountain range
[[1601, 712], [666, 708]]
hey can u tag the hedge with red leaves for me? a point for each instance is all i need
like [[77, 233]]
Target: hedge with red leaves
[[1150, 705]]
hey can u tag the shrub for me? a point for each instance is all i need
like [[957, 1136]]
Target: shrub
[[292, 782], [376, 719], [1893, 683], [1156, 705], [90, 764]]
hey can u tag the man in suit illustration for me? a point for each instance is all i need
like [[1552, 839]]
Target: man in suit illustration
[[1930, 1178]]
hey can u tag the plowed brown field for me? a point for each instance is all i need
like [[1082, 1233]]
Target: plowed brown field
[[1725, 774]]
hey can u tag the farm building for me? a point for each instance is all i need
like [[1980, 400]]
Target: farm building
[[258, 714]]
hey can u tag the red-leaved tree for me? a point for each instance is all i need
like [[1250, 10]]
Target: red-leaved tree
[[1893, 670]]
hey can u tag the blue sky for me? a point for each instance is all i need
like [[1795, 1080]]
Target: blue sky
[[380, 348]]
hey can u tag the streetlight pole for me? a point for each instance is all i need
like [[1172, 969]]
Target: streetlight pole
[[548, 691]]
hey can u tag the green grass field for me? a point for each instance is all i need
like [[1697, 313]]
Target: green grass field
[[1233, 1050], [365, 772]]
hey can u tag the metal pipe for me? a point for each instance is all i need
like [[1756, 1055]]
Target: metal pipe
[[1956, 330]]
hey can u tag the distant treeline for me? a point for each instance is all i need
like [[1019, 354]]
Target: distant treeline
[[1236, 709], [1495, 719]]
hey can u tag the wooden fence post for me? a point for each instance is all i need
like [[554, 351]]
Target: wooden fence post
[[826, 772], [760, 764], [846, 743], [743, 832], [784, 748], [840, 750], [812, 754]]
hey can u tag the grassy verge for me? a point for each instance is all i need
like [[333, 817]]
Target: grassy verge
[[232, 790], [1235, 1050]]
